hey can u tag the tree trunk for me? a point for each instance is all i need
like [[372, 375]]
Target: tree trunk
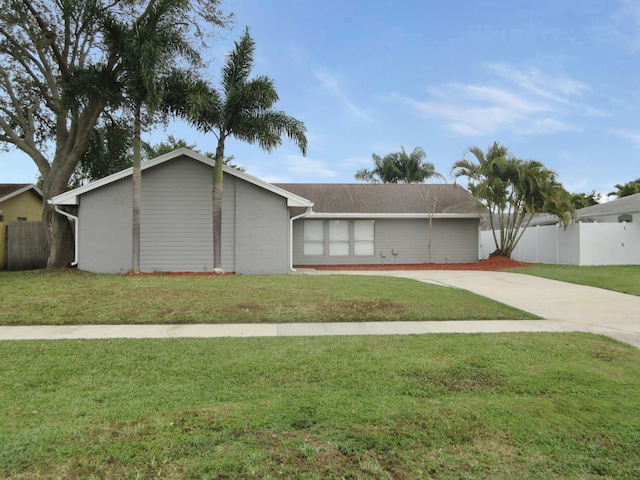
[[58, 230], [136, 181], [71, 143], [216, 200], [59, 238]]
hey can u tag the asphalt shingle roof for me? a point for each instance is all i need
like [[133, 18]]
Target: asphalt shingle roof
[[386, 198], [629, 204], [9, 188]]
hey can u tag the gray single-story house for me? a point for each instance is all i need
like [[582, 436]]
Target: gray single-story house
[[266, 228], [386, 223]]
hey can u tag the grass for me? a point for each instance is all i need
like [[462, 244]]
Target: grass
[[556, 406], [72, 297], [619, 278]]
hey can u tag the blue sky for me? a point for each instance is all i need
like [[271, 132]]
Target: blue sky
[[554, 80]]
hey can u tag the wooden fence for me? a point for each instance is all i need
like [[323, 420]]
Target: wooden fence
[[25, 246]]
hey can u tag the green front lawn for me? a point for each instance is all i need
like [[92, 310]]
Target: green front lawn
[[620, 278], [72, 297], [506, 406]]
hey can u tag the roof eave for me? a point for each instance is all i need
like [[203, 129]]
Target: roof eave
[[394, 215], [20, 191], [71, 197], [293, 200]]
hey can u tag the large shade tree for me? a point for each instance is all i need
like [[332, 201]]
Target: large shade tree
[[399, 167], [108, 151], [242, 108], [58, 74], [513, 190]]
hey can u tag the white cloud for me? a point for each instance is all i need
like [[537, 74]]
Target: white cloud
[[555, 88], [305, 167], [356, 162], [331, 84], [530, 103], [544, 126]]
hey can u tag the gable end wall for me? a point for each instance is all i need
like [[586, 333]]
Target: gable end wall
[[176, 224]]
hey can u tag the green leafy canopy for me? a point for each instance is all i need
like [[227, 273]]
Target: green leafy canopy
[[514, 190]]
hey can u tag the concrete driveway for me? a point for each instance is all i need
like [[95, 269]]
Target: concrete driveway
[[563, 306]]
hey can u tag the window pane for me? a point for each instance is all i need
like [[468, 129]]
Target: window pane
[[339, 231], [364, 237], [314, 230], [363, 229], [314, 237], [339, 248], [314, 248], [339, 237], [364, 248]]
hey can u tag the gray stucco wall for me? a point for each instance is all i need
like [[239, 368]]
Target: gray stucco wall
[[176, 224], [104, 229], [262, 231], [452, 241], [175, 219]]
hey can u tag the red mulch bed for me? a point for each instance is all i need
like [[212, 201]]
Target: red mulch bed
[[178, 274], [494, 263]]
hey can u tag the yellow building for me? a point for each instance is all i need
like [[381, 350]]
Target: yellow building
[[19, 202]]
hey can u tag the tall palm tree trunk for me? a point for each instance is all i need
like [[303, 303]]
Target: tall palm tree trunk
[[216, 199], [137, 188]]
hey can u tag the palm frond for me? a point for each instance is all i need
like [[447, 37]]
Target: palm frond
[[239, 63], [267, 129], [193, 99]]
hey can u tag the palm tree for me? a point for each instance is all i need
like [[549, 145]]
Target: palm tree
[[513, 190], [487, 179], [242, 108], [583, 200], [629, 188], [399, 167], [148, 48]]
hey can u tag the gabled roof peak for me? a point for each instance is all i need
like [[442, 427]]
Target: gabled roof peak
[[9, 190], [71, 197]]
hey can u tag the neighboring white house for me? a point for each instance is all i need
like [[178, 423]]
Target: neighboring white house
[[603, 234], [266, 228]]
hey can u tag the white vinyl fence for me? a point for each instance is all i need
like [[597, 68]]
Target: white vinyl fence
[[578, 244]]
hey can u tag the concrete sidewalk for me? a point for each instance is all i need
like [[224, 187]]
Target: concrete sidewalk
[[565, 308], [278, 329]]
